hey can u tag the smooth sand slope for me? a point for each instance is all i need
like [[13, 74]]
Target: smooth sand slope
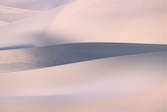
[[26, 59], [113, 21], [3, 23], [135, 73], [122, 84]]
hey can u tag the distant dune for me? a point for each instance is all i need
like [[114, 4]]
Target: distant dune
[[30, 31], [34, 4], [11, 14], [5, 9], [108, 21]]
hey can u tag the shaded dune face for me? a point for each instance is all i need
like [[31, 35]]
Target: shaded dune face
[[14, 60], [114, 77], [83, 56], [30, 31]]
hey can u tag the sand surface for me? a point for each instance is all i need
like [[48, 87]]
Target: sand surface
[[83, 56]]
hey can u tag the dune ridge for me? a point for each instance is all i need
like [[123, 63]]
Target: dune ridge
[[33, 58]]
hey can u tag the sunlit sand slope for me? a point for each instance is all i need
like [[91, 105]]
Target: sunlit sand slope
[[3, 23], [116, 76], [130, 83], [113, 21]]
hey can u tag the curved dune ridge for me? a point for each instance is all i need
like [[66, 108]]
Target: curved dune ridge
[[83, 56], [25, 59]]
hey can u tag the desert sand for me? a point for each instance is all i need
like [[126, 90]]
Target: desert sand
[[3, 23], [126, 83], [113, 21], [83, 56]]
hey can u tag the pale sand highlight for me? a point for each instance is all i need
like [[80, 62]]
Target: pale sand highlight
[[113, 21], [3, 23]]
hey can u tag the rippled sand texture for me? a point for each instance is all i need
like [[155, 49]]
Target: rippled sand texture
[[83, 55]]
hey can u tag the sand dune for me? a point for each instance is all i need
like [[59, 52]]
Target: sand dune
[[113, 21], [134, 23], [137, 103], [5, 9], [118, 84], [12, 14], [30, 31], [117, 76], [83, 56], [34, 4], [25, 59]]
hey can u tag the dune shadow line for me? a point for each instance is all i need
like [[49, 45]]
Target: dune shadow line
[[77, 52]]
